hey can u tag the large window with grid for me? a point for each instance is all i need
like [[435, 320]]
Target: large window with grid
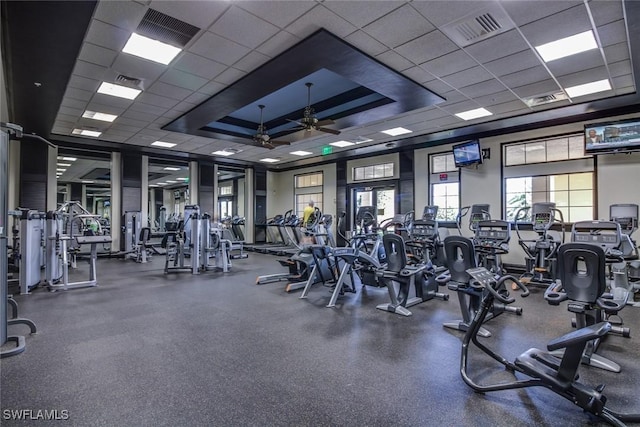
[[225, 189], [308, 187], [366, 173], [444, 186], [550, 170]]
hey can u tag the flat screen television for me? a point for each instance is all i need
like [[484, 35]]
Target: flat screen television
[[467, 153], [612, 137]]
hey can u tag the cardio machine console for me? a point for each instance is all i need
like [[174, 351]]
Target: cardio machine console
[[483, 276], [542, 221]]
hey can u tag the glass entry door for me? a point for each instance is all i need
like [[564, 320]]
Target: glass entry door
[[381, 198]]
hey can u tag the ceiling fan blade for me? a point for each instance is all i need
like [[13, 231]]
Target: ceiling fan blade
[[324, 122], [268, 145], [327, 130]]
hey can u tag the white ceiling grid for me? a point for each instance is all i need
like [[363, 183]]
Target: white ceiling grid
[[236, 37]]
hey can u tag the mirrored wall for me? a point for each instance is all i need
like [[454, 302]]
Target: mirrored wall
[[85, 179], [168, 192], [231, 193]]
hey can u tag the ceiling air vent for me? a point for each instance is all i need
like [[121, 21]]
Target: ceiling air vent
[[158, 26], [127, 81], [545, 99], [479, 25]]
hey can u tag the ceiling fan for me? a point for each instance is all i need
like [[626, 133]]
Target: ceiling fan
[[262, 137], [309, 121]]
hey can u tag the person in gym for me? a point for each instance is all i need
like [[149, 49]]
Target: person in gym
[[308, 211]]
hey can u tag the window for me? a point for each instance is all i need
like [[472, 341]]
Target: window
[[308, 187], [365, 173], [226, 190], [309, 180], [547, 150], [302, 200], [226, 207], [562, 174], [445, 186]]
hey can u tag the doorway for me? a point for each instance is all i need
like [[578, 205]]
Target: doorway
[[383, 199]]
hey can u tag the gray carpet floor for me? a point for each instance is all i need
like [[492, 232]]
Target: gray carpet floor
[[145, 349]]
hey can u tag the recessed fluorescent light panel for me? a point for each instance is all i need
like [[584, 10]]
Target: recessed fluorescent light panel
[[567, 46], [87, 182], [171, 182], [61, 170], [99, 116], [588, 88], [85, 132], [64, 164], [69, 159], [341, 144], [171, 168], [222, 153], [269, 160], [474, 114], [163, 144], [182, 179], [301, 153], [119, 91], [362, 140], [396, 131], [150, 49]]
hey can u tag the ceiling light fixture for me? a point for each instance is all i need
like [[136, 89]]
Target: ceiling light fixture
[[163, 144], [171, 168], [588, 88], [171, 182], [269, 160], [567, 46], [474, 114], [222, 153], [61, 170], [99, 116], [64, 164], [182, 179], [341, 144], [362, 140], [69, 159], [119, 91], [150, 49], [301, 153], [86, 132], [87, 182], [396, 131]]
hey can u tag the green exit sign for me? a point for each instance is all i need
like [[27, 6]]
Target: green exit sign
[[327, 150]]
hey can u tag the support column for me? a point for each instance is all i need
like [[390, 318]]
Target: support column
[[52, 179], [194, 197], [206, 188], [216, 208], [13, 180], [144, 188], [115, 215], [35, 170]]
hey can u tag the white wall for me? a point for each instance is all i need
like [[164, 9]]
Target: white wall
[[280, 189]]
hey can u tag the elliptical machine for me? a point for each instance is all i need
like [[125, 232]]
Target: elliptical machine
[[541, 367], [540, 253]]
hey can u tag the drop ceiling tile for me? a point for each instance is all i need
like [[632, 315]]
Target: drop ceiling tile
[[446, 121], [198, 13], [365, 43], [606, 11], [576, 63], [467, 77], [418, 74], [584, 76], [109, 136], [252, 61], [74, 103], [156, 100], [170, 91], [616, 52], [618, 82], [523, 12], [74, 93], [279, 13], [66, 118], [198, 65], [183, 107], [536, 89], [254, 30], [513, 63], [229, 76], [440, 13], [525, 77], [277, 44], [183, 79], [613, 33], [219, 49], [211, 88], [125, 15], [427, 47], [496, 98], [113, 101], [483, 88], [625, 90], [399, 27], [563, 24], [498, 46], [133, 66], [105, 35], [69, 111], [146, 108], [84, 83], [138, 115], [196, 98], [317, 18], [61, 129], [124, 128], [361, 13], [438, 86], [450, 63], [97, 54], [394, 60], [557, 104], [620, 68], [88, 70], [460, 106], [120, 132]]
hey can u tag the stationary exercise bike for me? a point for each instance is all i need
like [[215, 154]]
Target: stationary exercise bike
[[540, 366]]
